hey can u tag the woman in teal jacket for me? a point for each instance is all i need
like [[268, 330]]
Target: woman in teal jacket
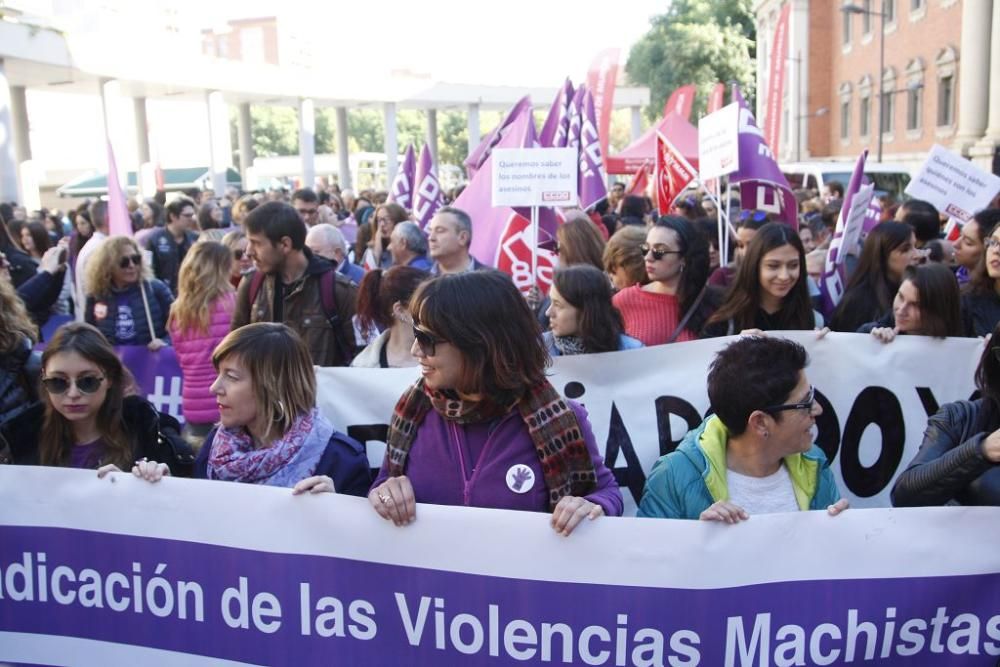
[[755, 455]]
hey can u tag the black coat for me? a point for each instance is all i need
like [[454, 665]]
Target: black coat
[[18, 380], [144, 425], [950, 465]]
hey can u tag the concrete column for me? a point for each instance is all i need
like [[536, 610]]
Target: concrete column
[[974, 74], [19, 112], [245, 140], [8, 158], [983, 151], [141, 130], [391, 145], [473, 122], [343, 152], [307, 142], [220, 150], [636, 122], [432, 135]]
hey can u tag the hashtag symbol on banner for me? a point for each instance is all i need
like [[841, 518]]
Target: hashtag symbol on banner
[[169, 402]]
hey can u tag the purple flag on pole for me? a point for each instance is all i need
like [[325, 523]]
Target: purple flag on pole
[[854, 213], [119, 222], [402, 186], [583, 135], [762, 185], [427, 195], [555, 131], [479, 156]]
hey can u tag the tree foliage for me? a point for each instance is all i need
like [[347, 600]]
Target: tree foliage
[[696, 41]]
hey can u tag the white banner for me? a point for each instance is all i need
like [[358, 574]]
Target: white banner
[[876, 400], [535, 176], [190, 572], [718, 142], [955, 186]]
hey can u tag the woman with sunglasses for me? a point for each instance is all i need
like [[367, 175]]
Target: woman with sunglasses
[[926, 304], [581, 317], [770, 291], [675, 304], [236, 241], [959, 458], [482, 427], [981, 295], [126, 303], [199, 319], [88, 416]]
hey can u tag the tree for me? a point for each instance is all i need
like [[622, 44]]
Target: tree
[[697, 41]]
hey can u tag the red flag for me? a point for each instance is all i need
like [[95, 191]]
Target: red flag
[[716, 98], [601, 83], [680, 102], [776, 82], [119, 222], [673, 173], [639, 182]]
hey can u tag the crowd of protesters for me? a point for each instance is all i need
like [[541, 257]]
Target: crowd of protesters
[[253, 290]]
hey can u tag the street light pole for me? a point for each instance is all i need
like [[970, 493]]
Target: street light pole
[[857, 9]]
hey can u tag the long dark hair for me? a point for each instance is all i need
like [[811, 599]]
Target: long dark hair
[[379, 290], [745, 294], [589, 291], [940, 311], [988, 383], [871, 289], [56, 439], [980, 281], [694, 249]]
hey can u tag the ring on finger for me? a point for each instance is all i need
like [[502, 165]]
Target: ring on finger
[[385, 499]]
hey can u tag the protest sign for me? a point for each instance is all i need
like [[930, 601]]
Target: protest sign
[[718, 142], [534, 176], [955, 186], [876, 399], [193, 572]]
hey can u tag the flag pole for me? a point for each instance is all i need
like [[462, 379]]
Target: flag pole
[[729, 201], [534, 245]]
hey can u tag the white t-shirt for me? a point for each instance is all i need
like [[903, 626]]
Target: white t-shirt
[[762, 495], [82, 258]]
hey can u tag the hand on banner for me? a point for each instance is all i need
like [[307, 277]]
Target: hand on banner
[[103, 471], [821, 333], [394, 501], [151, 471], [724, 511], [570, 511], [885, 334], [838, 507], [155, 345], [314, 484], [754, 332]]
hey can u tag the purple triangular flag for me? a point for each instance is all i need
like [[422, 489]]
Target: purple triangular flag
[[427, 195], [584, 136], [555, 131], [402, 186], [479, 156]]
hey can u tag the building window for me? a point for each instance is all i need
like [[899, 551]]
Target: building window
[[889, 9], [865, 112], [916, 5], [845, 120], [946, 106], [914, 104], [888, 110], [866, 18], [845, 21]]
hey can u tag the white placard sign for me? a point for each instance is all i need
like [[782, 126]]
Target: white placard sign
[[955, 186], [718, 142], [535, 176]]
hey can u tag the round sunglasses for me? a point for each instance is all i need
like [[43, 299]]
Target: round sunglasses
[[87, 384]]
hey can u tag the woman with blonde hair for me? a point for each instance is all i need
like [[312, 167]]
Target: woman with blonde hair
[[623, 261], [236, 241], [199, 320], [124, 301], [17, 336]]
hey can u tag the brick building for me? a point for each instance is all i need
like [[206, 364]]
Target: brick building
[[941, 78]]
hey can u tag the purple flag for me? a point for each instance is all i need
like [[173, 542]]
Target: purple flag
[[583, 134], [762, 185], [402, 186], [427, 195], [479, 156], [555, 131], [854, 214]]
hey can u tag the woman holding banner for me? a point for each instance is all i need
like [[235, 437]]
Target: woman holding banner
[[771, 289], [981, 298], [482, 427], [87, 417], [675, 304], [959, 458], [581, 317], [926, 304]]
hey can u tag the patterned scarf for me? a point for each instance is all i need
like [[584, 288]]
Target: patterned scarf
[[287, 461], [569, 345], [551, 423]]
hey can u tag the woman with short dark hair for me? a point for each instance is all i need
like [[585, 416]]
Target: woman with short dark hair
[[482, 426]]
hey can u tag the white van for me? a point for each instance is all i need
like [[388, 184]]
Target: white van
[[889, 178]]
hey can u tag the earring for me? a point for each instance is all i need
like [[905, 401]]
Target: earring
[[280, 416], [767, 434]]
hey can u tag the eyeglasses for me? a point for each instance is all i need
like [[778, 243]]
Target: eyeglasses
[[658, 251], [128, 260], [807, 404], [993, 243], [426, 340], [238, 254], [87, 384]]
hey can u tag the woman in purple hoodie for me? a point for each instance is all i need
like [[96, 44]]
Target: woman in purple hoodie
[[482, 427]]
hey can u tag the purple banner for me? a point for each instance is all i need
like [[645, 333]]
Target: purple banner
[[402, 186], [158, 375], [427, 197], [555, 130], [478, 157]]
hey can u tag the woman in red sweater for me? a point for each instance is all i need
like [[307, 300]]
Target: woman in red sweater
[[674, 305]]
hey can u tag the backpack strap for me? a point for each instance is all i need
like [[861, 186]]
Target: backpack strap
[[327, 282], [256, 280]]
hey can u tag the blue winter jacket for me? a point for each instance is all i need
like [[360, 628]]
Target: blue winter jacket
[[686, 482], [121, 315]]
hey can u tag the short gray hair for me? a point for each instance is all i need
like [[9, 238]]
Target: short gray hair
[[413, 237], [327, 233], [461, 217]]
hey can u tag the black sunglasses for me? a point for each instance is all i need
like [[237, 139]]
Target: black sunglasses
[[658, 251], [426, 340], [128, 260], [238, 254], [807, 404], [87, 384]]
